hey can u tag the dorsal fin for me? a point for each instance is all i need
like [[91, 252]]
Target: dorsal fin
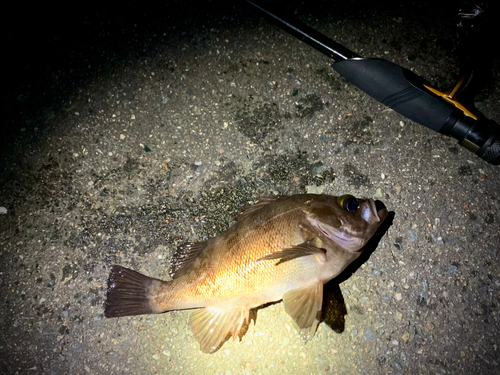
[[184, 258], [261, 202]]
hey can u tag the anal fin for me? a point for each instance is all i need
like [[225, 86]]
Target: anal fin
[[304, 306], [212, 327]]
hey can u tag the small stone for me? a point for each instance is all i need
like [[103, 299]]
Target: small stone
[[397, 189], [399, 243], [398, 366], [430, 326], [370, 336], [313, 189], [398, 296], [438, 240], [3, 210], [406, 336], [452, 269], [122, 136], [156, 356], [395, 342], [378, 193], [413, 236]]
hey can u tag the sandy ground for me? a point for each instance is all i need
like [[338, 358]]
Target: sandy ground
[[130, 130]]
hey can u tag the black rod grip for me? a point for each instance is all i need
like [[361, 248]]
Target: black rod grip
[[404, 91]]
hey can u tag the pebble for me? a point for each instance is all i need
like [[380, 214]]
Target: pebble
[[370, 336], [452, 269], [156, 356], [406, 336], [398, 296], [3, 210], [438, 240], [413, 236], [398, 366], [313, 189]]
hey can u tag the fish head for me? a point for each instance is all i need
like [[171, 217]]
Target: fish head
[[347, 221]]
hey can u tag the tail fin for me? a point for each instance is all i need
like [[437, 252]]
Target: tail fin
[[129, 293]]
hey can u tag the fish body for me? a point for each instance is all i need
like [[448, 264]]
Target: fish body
[[281, 248]]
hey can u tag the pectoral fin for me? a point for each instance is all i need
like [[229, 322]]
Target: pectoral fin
[[304, 249], [304, 306], [212, 327]]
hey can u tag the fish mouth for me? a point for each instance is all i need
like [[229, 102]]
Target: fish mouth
[[378, 209]]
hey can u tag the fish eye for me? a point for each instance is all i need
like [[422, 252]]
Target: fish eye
[[348, 203]]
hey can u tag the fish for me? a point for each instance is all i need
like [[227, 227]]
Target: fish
[[281, 248]]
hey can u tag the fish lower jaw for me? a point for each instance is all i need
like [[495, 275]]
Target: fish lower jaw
[[349, 243]]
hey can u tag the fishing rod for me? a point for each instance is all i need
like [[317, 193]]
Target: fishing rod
[[449, 112]]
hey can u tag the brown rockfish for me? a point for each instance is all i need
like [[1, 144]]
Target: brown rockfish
[[282, 248]]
